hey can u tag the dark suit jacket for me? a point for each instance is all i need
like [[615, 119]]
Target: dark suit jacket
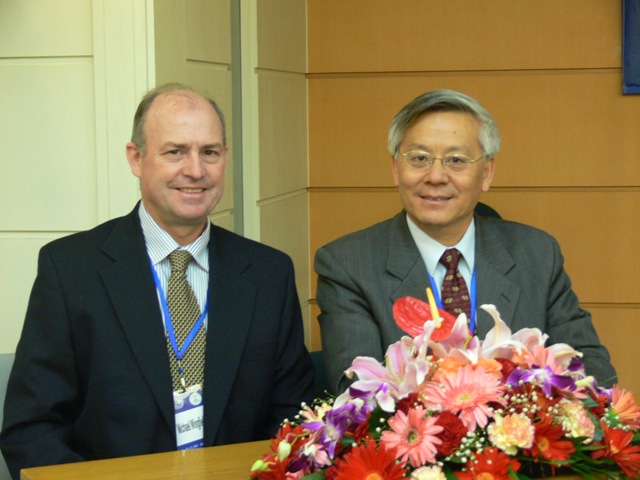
[[91, 376], [519, 269]]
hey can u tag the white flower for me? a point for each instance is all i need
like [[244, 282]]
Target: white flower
[[432, 472]]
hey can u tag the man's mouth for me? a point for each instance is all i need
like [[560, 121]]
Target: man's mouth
[[435, 198], [191, 190]]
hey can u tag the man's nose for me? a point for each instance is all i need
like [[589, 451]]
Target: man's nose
[[436, 173], [193, 166]]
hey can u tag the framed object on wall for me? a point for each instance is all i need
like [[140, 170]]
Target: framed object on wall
[[631, 46]]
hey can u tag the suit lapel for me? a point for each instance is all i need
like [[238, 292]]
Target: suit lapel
[[493, 262], [404, 262], [231, 299], [130, 287]]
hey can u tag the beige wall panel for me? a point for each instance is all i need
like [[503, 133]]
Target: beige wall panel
[[282, 33], [222, 218], [618, 329], [215, 82], [436, 35], [552, 125], [284, 224], [594, 231], [18, 264], [170, 40], [190, 31], [51, 177], [36, 28], [208, 30], [283, 133]]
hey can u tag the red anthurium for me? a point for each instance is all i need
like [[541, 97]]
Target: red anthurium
[[411, 313]]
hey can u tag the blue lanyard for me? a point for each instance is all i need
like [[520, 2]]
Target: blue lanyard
[[472, 299], [178, 351]]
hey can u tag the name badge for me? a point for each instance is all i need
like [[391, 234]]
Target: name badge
[[189, 418]]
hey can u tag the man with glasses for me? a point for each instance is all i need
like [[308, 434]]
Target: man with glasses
[[443, 145]]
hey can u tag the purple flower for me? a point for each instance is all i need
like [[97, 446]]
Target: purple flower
[[543, 377], [336, 422]]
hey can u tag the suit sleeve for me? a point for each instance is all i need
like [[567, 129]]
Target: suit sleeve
[[294, 373], [42, 393], [568, 323], [348, 327]]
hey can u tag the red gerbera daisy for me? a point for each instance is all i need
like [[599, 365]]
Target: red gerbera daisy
[[548, 443], [365, 462], [361, 433], [618, 447], [490, 464]]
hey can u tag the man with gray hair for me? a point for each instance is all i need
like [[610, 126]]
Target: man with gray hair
[[443, 146]]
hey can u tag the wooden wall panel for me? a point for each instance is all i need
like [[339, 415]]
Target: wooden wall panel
[[433, 35], [618, 328], [586, 224], [562, 128]]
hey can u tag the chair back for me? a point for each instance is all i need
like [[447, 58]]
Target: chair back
[[320, 382], [6, 362]]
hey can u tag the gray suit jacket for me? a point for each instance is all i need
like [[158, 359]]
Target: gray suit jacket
[[519, 269]]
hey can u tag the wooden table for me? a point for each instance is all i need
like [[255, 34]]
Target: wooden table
[[227, 462]]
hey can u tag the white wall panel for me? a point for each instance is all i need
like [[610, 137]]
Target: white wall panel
[[18, 262], [48, 179], [44, 28]]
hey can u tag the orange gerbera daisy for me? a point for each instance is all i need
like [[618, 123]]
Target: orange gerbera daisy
[[624, 405], [366, 462], [490, 464], [618, 447]]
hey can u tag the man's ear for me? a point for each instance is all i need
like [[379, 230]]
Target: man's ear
[[134, 156], [488, 169], [394, 170]]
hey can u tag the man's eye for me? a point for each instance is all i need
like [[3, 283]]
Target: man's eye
[[174, 152], [419, 158], [211, 153], [456, 160]]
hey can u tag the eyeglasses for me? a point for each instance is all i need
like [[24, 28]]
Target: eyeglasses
[[454, 163]]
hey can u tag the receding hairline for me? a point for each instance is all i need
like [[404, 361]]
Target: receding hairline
[[148, 101]]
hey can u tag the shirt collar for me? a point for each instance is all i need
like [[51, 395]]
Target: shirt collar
[[431, 250], [160, 244]]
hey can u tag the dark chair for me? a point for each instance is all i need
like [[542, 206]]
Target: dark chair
[[486, 210], [6, 361], [320, 382]]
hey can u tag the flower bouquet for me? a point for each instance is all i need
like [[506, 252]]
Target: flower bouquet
[[447, 405]]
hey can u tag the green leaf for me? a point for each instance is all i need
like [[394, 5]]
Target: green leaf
[[315, 476]]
